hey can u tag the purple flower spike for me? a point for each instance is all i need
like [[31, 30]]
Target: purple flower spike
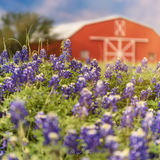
[[129, 90], [153, 80], [139, 69], [127, 118], [140, 108], [138, 145], [54, 82], [12, 156], [157, 121], [71, 142], [144, 62], [99, 89], [140, 80], [111, 143], [88, 60], [148, 122], [18, 112]]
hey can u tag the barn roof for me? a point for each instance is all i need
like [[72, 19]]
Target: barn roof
[[64, 31]]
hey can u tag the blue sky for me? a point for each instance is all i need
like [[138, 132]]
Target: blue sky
[[63, 11]]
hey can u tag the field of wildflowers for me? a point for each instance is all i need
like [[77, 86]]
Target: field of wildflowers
[[62, 109]]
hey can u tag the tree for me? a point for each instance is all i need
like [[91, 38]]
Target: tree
[[16, 25]]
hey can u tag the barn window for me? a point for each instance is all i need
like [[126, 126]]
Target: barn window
[[152, 56], [84, 54]]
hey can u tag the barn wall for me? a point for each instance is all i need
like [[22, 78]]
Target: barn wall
[[80, 40]]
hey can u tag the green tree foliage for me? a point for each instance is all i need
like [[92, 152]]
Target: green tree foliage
[[16, 25]]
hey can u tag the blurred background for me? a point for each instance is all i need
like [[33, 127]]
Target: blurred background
[[17, 17]]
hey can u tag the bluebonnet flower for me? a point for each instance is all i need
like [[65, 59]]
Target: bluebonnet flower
[[65, 73], [39, 60], [11, 66], [24, 54], [133, 101], [54, 62], [85, 97], [157, 121], [129, 90], [139, 69], [138, 145], [107, 118], [85, 69], [159, 104], [40, 77], [119, 78], [90, 137], [148, 123], [111, 143], [3, 147], [80, 110], [8, 85], [28, 74], [34, 57], [157, 89], [4, 57], [114, 90], [51, 129], [66, 91], [35, 65], [145, 93], [127, 117], [140, 79], [43, 53], [133, 80], [80, 84], [144, 62], [153, 80], [88, 60], [108, 73], [95, 74], [39, 120], [17, 57], [99, 90], [17, 78], [119, 155], [106, 85], [54, 82], [1, 92], [75, 65], [5, 68], [67, 49], [158, 65], [18, 112], [94, 64], [51, 58], [12, 156], [59, 66], [72, 87], [117, 65], [70, 141], [140, 108], [106, 129], [110, 101], [87, 76], [124, 67]]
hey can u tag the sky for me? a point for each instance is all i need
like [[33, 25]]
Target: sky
[[146, 12]]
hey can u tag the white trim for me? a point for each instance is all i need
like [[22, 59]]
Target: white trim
[[119, 52], [123, 39]]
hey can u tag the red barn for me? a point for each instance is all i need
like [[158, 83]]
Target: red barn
[[109, 38]]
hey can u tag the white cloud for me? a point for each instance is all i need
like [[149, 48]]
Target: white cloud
[[145, 11]]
